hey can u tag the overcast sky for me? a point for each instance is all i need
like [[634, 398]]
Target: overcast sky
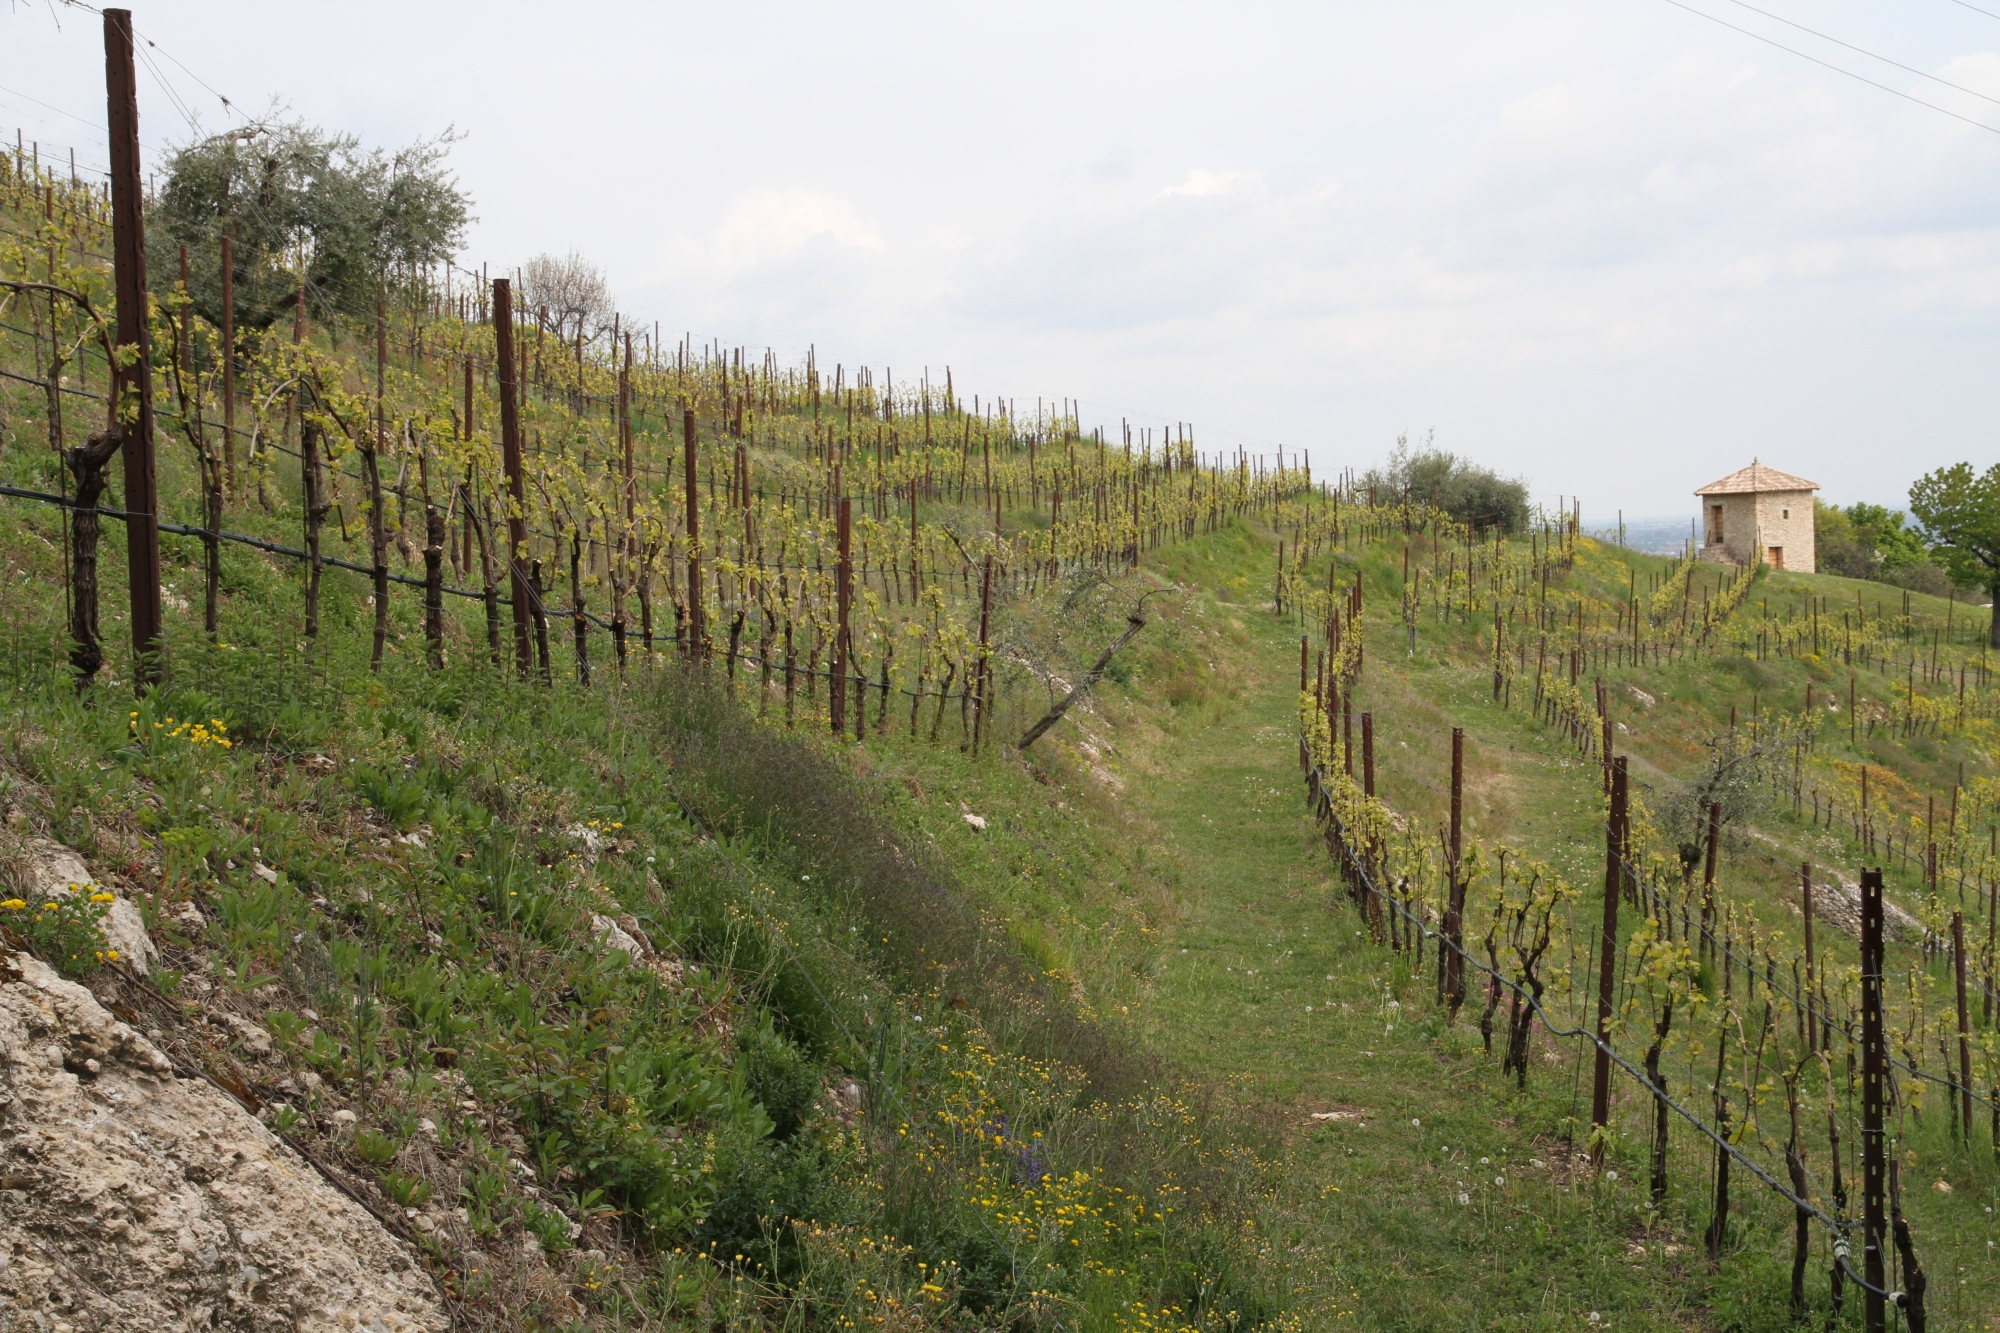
[[1613, 246]]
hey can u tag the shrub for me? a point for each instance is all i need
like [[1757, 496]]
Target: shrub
[[779, 1076], [1468, 492], [65, 931]]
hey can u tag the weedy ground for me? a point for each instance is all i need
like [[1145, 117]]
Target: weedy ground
[[1120, 1055], [1406, 1184]]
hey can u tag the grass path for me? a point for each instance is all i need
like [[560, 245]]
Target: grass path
[[1270, 991]]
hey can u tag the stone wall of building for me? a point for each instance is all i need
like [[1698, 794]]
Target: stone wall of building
[[1753, 524]]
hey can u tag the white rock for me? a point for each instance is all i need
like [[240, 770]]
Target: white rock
[[56, 871], [191, 1181], [253, 1037], [265, 873], [977, 821], [615, 936]]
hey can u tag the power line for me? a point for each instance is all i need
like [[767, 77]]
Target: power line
[[47, 106], [1835, 68], [1976, 9], [1908, 69]]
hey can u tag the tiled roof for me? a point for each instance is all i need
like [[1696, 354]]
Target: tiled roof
[[1757, 479]]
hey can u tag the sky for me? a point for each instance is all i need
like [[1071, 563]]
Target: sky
[[1614, 247]]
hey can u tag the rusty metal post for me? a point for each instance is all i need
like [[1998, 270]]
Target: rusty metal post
[[132, 383], [1607, 964], [510, 453], [1874, 1074], [693, 525]]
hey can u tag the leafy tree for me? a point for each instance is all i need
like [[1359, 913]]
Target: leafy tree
[[1468, 492], [1881, 530], [302, 204], [1960, 511], [1839, 549], [1869, 541]]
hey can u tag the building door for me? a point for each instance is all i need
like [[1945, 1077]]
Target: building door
[[1775, 557], [1715, 525]]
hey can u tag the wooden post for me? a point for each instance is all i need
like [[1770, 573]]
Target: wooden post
[[1708, 874], [985, 675], [1368, 754], [1806, 909], [435, 537], [510, 454], [1451, 962], [371, 468], [229, 362], [620, 557], [1614, 849], [1874, 1074], [1964, 1026], [843, 596], [316, 507], [693, 525], [132, 384]]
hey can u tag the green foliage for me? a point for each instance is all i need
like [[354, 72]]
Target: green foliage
[[779, 1076], [398, 799], [1468, 492], [1960, 510], [65, 931], [374, 1148], [407, 1191], [295, 197]]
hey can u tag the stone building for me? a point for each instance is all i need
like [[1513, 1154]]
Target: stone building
[[1759, 515]]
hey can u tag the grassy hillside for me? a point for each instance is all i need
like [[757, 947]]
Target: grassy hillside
[[637, 997]]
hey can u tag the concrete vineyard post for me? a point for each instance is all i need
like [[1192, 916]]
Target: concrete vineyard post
[[510, 454], [132, 384]]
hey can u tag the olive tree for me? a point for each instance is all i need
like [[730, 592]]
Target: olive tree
[[302, 206]]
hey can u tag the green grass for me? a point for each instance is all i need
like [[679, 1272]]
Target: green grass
[[1220, 937]]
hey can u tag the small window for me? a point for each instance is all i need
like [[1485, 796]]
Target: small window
[[1784, 513]]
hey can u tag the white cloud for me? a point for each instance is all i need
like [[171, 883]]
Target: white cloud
[[1205, 183], [770, 225], [1615, 247]]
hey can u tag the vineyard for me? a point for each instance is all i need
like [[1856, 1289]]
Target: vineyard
[[680, 837], [1748, 1047], [840, 539]]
